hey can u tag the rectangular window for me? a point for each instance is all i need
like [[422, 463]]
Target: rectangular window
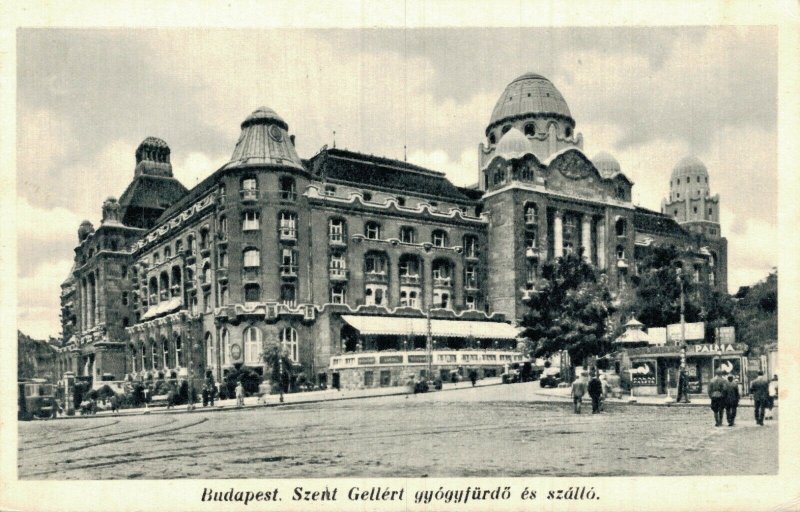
[[439, 239], [368, 379], [338, 295], [252, 258], [330, 190], [469, 302], [252, 293], [250, 221], [288, 224], [336, 230], [372, 231], [207, 302], [408, 235], [249, 184], [288, 295]]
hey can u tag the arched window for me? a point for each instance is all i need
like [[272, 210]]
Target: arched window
[[530, 129], [153, 354], [620, 227], [178, 351], [288, 191], [439, 238], [143, 357], [492, 139], [289, 343], [225, 347], [203, 239], [251, 257], [372, 230], [499, 177], [531, 214], [178, 247], [252, 345], [526, 173], [163, 286], [167, 253], [209, 350], [206, 277], [165, 353], [442, 273], [408, 235], [192, 244], [176, 281]]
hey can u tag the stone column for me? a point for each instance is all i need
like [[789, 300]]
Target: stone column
[[586, 237], [84, 305], [558, 235], [601, 244]]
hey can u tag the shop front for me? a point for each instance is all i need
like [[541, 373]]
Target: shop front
[[654, 370]]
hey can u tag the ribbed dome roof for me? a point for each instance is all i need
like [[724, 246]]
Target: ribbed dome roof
[[264, 141], [264, 115], [529, 94], [606, 164], [689, 166], [513, 144]]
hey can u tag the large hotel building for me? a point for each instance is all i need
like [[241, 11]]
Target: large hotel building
[[360, 267]]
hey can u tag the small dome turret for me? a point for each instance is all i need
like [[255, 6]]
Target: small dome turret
[[265, 141], [606, 164], [513, 145], [689, 166], [152, 157], [84, 230]]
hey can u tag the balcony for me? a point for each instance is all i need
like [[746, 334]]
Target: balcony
[[222, 274], [376, 277], [248, 195], [205, 251], [337, 274], [288, 195], [250, 273], [289, 271], [337, 240], [442, 282], [409, 279], [472, 255], [287, 234]]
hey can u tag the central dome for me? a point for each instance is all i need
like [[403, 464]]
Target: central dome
[[689, 166], [529, 94]]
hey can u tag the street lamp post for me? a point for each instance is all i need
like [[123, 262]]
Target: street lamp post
[[280, 375]]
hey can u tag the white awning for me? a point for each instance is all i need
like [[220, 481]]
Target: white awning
[[163, 307], [405, 326]]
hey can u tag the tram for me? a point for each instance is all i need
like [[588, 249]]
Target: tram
[[36, 399]]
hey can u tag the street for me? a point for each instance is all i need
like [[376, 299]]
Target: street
[[486, 431]]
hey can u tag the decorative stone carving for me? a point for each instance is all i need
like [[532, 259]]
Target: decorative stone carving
[[572, 166], [111, 212]]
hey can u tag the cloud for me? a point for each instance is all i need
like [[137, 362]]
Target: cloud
[[462, 172], [752, 248], [39, 301]]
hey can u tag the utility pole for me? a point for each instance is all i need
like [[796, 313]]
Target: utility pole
[[429, 344]]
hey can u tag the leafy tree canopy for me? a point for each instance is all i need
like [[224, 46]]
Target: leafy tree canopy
[[569, 310]]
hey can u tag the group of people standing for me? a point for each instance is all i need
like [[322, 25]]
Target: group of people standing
[[597, 388], [724, 395]]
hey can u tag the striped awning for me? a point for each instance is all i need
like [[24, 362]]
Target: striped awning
[[405, 326], [162, 308]]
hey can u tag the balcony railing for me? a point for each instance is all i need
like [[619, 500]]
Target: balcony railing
[[248, 195], [376, 277], [222, 274], [287, 234], [444, 282], [337, 239], [250, 273], [337, 274], [288, 195], [289, 271], [409, 279]]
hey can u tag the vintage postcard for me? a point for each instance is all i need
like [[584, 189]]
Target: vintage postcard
[[400, 256]]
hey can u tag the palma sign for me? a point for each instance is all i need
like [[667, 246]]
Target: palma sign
[[713, 349]]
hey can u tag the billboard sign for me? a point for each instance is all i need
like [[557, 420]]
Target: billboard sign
[[694, 331], [643, 373], [726, 335]]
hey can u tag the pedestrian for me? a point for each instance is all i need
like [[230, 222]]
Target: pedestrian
[[473, 377], [773, 395], [239, 394], [595, 389], [578, 390], [171, 397], [204, 393], [731, 400], [683, 386], [759, 388], [115, 403], [716, 392]]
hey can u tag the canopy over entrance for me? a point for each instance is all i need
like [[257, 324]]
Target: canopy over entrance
[[405, 326]]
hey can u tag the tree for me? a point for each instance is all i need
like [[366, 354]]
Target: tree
[[569, 310], [249, 378], [756, 313], [278, 366]]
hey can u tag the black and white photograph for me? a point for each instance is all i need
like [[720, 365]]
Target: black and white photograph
[[401, 264]]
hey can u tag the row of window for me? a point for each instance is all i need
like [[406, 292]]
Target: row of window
[[529, 129], [689, 180]]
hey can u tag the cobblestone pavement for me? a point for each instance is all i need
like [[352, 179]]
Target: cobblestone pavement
[[489, 431]]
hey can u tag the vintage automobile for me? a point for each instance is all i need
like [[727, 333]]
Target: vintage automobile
[[550, 378]]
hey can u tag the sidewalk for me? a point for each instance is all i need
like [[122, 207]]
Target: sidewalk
[[307, 397], [563, 394]]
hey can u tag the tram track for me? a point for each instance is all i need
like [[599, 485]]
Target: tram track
[[204, 451]]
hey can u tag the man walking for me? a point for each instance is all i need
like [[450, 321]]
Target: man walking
[[578, 390], [731, 400], [760, 391], [716, 392], [683, 387], [595, 389]]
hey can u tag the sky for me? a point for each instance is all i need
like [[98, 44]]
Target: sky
[[649, 96]]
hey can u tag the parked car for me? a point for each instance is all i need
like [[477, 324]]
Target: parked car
[[511, 376], [550, 378]]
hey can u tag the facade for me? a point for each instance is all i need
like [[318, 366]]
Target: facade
[[364, 269]]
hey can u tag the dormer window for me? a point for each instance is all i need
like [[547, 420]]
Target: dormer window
[[366, 195], [401, 201]]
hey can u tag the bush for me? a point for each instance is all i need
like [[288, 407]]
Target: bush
[[248, 376], [105, 392]]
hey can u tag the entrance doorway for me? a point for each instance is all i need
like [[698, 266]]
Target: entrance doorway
[[335, 380]]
